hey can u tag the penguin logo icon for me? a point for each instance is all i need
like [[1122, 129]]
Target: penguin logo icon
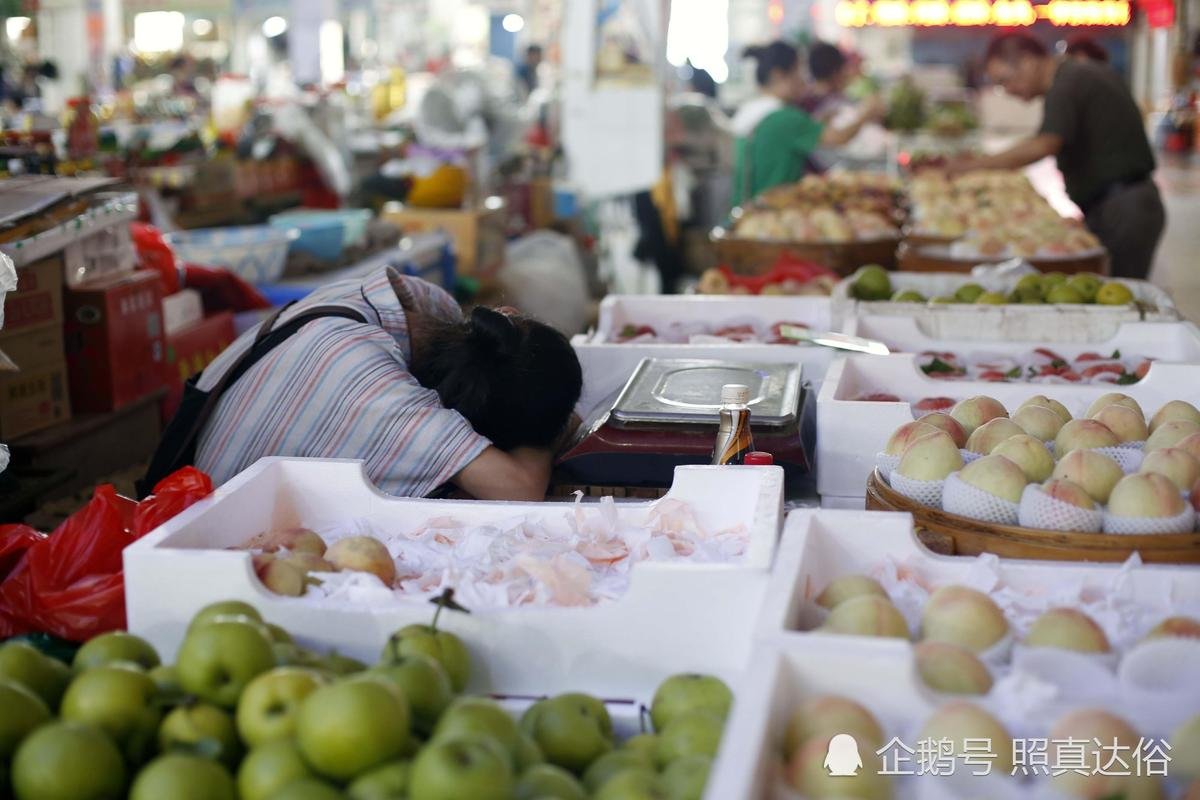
[[843, 760]]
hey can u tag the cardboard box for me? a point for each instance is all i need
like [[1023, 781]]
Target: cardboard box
[[114, 340], [32, 349], [479, 235], [33, 399], [37, 301], [190, 350]]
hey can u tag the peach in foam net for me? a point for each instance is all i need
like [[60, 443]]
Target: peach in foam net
[[1039, 422], [905, 435], [930, 458], [973, 412], [1029, 454], [1083, 434], [992, 433], [1050, 403], [1145, 494], [1175, 464], [1095, 472], [947, 423], [1113, 399], [1126, 424], [1175, 410], [1170, 433], [995, 475]]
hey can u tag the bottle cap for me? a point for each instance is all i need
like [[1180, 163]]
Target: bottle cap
[[735, 394], [757, 458]]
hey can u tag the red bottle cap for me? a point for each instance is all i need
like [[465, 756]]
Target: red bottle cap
[[757, 458]]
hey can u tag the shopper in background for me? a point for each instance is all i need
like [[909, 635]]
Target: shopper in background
[[829, 71], [1093, 127], [527, 70], [422, 396], [1085, 48], [774, 136]]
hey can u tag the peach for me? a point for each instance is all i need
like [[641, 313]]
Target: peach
[[1039, 422], [1067, 492], [828, 714], [992, 433], [1028, 453], [905, 435], [1067, 629], [867, 615], [281, 577], [1190, 444], [1174, 463], [1171, 433], [997, 476], [1125, 423], [951, 669], [1176, 627], [975, 411], [959, 721], [309, 562], [1175, 410], [362, 554], [1145, 494], [940, 419], [1113, 399], [1093, 728], [1053, 405], [1185, 744], [930, 458], [963, 616], [807, 774], [1083, 434], [1094, 472], [297, 540], [839, 590]]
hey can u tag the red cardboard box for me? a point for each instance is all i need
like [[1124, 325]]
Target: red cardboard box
[[190, 350], [114, 340]]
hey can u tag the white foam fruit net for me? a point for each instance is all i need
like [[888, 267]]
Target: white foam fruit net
[[1128, 458], [960, 497], [886, 463], [1182, 522], [968, 456], [1040, 510], [927, 493]]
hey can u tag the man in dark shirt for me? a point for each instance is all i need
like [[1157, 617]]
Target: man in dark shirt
[[1093, 127]]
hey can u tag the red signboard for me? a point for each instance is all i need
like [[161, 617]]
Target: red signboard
[[976, 13]]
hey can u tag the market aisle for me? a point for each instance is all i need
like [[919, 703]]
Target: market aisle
[[1176, 266]]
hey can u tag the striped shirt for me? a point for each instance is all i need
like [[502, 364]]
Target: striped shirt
[[340, 389]]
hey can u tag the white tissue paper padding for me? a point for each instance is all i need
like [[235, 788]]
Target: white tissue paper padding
[[1040, 510], [1182, 522], [960, 497]]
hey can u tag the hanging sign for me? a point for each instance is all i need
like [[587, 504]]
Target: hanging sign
[[977, 13]]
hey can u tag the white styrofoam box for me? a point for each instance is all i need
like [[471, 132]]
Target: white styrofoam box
[[1009, 322], [617, 311], [674, 617], [850, 432], [1164, 341], [839, 503]]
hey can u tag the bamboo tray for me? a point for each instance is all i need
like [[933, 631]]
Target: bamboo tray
[[756, 256], [954, 535], [914, 257]]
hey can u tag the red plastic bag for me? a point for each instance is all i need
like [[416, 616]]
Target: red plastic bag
[[154, 253], [70, 583]]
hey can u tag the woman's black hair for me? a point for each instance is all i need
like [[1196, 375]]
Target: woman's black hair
[[825, 60], [516, 380], [778, 55]]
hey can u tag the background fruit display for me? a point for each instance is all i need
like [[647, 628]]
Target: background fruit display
[[244, 712], [813, 224], [873, 283], [1040, 365]]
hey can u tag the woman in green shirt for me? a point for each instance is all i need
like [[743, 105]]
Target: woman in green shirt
[[774, 137]]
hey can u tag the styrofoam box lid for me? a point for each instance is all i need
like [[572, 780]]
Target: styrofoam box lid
[[674, 617], [1039, 322], [1164, 341], [617, 311], [851, 432]]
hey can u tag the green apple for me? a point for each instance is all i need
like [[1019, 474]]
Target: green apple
[[225, 608], [117, 698], [166, 680], [217, 660], [308, 789], [614, 763], [679, 694], [115, 646], [1086, 284], [387, 782], [339, 664], [455, 769], [573, 730], [424, 683], [182, 777], [644, 745], [202, 730], [348, 727], [686, 777], [279, 634], [693, 733], [268, 706], [632, 784], [469, 717], [68, 761], [270, 767], [528, 753], [46, 677], [22, 712], [547, 782], [445, 648]]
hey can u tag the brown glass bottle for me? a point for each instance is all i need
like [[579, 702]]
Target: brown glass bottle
[[734, 439]]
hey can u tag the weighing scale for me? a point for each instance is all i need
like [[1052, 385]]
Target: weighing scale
[[667, 414]]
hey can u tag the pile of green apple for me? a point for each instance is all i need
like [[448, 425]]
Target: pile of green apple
[[246, 714], [872, 282]]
